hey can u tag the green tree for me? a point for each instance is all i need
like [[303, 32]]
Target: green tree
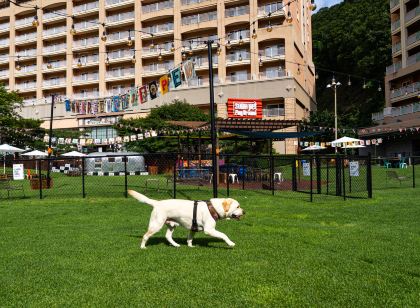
[[352, 37], [156, 120], [13, 128]]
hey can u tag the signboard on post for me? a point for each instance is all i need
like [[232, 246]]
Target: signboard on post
[[244, 108], [306, 169], [18, 172], [354, 168]]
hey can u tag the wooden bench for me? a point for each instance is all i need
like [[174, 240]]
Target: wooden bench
[[393, 175], [7, 183]]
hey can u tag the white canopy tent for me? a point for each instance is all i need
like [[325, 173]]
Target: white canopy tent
[[36, 153], [345, 142], [5, 148], [314, 148], [73, 154]]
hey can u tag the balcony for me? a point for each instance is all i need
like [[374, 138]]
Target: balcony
[[4, 58], [272, 53], [238, 57], [413, 59], [157, 68], [4, 27], [235, 37], [157, 30], [238, 76], [26, 86], [26, 69], [396, 111], [120, 54], [86, 95], [164, 48], [55, 82], [199, 42], [394, 68], [86, 61], [396, 47], [159, 6], [55, 31], [27, 53], [54, 15], [406, 91], [55, 65], [118, 36], [273, 73], [120, 18], [56, 48], [86, 42], [86, 8], [395, 25], [203, 62], [189, 2], [121, 73], [24, 22], [412, 14], [237, 11], [86, 78], [87, 25], [4, 73], [118, 2], [26, 38], [4, 42], [199, 18], [413, 38]]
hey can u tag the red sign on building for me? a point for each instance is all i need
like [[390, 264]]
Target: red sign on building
[[244, 108]]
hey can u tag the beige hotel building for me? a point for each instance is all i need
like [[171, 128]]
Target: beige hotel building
[[275, 65]]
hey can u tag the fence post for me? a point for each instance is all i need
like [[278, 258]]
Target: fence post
[[350, 178], [243, 171], [272, 173], [337, 176], [83, 178], [310, 165], [343, 173], [40, 179], [318, 174], [125, 177], [328, 176], [369, 175], [294, 180], [413, 163], [227, 176], [174, 176]]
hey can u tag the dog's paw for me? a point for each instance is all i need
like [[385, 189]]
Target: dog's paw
[[176, 246], [231, 244], [191, 246], [143, 247]]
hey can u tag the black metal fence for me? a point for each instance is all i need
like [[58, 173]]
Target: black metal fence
[[185, 175]]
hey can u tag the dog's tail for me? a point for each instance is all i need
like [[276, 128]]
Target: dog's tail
[[142, 198]]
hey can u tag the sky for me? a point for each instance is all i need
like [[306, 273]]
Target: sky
[[324, 3]]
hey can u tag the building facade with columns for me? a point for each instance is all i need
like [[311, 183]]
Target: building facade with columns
[[80, 50]]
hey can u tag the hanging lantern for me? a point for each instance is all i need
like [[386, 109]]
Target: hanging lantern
[[133, 59], [260, 63], [241, 41], [312, 6], [73, 30], [49, 65], [254, 34], [184, 56], [160, 58], [172, 47], [79, 63], [129, 42], [103, 37], [35, 22], [228, 46], [270, 27]]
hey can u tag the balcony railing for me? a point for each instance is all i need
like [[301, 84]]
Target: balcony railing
[[159, 28], [27, 69], [55, 82], [413, 59], [204, 61], [24, 21], [86, 59], [55, 14], [26, 85], [26, 37], [236, 35], [394, 68], [395, 25], [82, 95], [54, 31], [237, 11], [56, 64], [155, 67], [86, 24], [393, 3], [4, 42], [112, 2], [55, 48], [158, 47], [86, 42], [121, 72], [120, 53], [270, 8], [396, 47], [157, 6], [198, 18], [198, 41], [27, 53], [86, 7], [4, 26], [238, 56], [396, 111], [120, 17], [413, 38], [409, 89], [412, 14], [188, 2], [239, 77], [121, 35], [272, 51], [4, 73], [86, 77]]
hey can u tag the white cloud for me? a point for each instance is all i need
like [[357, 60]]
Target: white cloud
[[326, 3]]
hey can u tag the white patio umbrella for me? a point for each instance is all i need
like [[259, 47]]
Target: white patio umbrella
[[5, 148], [73, 154], [344, 142], [313, 148], [38, 154], [355, 146]]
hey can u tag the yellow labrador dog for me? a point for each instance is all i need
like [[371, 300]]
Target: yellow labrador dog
[[175, 212]]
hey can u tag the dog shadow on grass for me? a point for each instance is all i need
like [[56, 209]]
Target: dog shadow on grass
[[199, 242]]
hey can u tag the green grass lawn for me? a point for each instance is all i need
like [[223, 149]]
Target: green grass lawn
[[289, 252]]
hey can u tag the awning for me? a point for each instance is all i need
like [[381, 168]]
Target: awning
[[272, 135]]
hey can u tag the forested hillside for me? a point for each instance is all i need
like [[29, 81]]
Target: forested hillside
[[352, 37]]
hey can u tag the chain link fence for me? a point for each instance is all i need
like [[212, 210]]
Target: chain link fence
[[186, 175]]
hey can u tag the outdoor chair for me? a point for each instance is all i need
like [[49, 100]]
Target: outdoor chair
[[402, 164], [387, 164], [392, 175]]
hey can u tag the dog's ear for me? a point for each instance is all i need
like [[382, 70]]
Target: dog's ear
[[226, 204]]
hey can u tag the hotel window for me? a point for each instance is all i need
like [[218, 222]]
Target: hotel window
[[274, 110]]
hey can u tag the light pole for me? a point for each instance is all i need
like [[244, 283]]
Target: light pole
[[334, 85]]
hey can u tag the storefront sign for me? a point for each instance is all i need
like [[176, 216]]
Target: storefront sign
[[244, 108], [354, 168], [99, 121], [18, 172]]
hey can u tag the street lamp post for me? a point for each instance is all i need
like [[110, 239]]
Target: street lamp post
[[334, 85]]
